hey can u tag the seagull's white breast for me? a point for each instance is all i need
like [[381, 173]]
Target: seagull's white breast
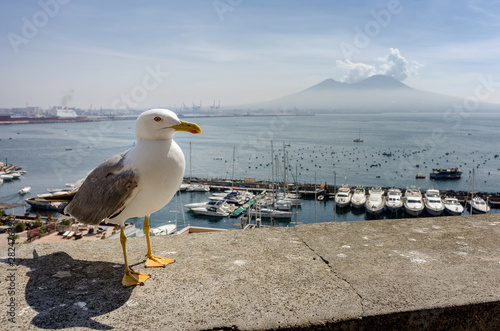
[[160, 165]]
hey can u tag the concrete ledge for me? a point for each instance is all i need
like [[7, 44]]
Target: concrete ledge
[[431, 273]]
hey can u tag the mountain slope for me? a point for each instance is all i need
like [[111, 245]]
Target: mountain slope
[[376, 93]]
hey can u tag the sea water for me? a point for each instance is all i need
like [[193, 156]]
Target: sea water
[[319, 149]]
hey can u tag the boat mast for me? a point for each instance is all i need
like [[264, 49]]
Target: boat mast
[[284, 169], [472, 192], [335, 194], [315, 200], [190, 179], [296, 179], [232, 175], [272, 169]]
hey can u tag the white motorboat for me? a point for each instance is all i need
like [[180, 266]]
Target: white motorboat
[[413, 202], [282, 204], [201, 204], [25, 190], [272, 213], [1, 181], [394, 202], [15, 175], [479, 206], [211, 211], [358, 198], [343, 196], [221, 194], [433, 204], [235, 197], [198, 188], [163, 230], [452, 206], [212, 203], [293, 199], [183, 187], [6, 177], [375, 203]]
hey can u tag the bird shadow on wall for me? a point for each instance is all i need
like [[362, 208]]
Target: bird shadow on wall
[[69, 293]]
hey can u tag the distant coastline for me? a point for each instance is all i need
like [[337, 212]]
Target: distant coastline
[[7, 119]]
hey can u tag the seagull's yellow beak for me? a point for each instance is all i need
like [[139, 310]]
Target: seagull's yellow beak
[[188, 127]]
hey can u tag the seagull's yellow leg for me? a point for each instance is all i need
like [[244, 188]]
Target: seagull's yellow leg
[[153, 261], [130, 277]]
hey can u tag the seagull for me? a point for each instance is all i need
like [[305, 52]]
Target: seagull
[[136, 183]]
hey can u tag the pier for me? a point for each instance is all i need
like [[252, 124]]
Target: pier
[[412, 274], [247, 205]]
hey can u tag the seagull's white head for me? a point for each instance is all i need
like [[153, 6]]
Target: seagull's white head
[[161, 124]]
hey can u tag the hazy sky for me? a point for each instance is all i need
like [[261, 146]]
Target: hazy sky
[[165, 53]]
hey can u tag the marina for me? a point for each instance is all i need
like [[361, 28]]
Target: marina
[[317, 162]]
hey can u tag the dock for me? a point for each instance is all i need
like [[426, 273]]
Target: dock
[[247, 205]]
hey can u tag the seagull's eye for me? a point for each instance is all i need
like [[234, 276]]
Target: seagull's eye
[[157, 118]]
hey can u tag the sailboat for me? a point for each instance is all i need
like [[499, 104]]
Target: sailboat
[[358, 140]]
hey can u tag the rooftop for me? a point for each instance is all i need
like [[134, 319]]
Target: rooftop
[[427, 273]]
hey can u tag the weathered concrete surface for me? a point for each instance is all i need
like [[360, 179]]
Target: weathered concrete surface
[[435, 273]]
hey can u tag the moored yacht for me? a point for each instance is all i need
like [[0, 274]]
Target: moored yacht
[[413, 202], [358, 198], [6, 177], [198, 188], [163, 230], [343, 196], [479, 206], [433, 204], [183, 187], [272, 213], [394, 200], [452, 206], [216, 211], [375, 203], [211, 203], [282, 204]]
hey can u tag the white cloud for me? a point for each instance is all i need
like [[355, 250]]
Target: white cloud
[[392, 65], [356, 71], [396, 66]]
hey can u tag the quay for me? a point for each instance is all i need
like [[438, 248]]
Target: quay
[[412, 274]]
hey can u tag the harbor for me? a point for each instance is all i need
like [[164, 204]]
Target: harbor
[[242, 153], [245, 204]]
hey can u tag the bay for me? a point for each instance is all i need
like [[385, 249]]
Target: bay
[[320, 149]]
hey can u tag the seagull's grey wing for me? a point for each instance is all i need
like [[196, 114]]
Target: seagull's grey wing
[[104, 191]]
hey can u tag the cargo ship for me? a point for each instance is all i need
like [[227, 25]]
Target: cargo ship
[[453, 173]]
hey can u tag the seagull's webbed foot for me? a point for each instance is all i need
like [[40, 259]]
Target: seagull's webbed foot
[[131, 278], [156, 261], [153, 261]]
